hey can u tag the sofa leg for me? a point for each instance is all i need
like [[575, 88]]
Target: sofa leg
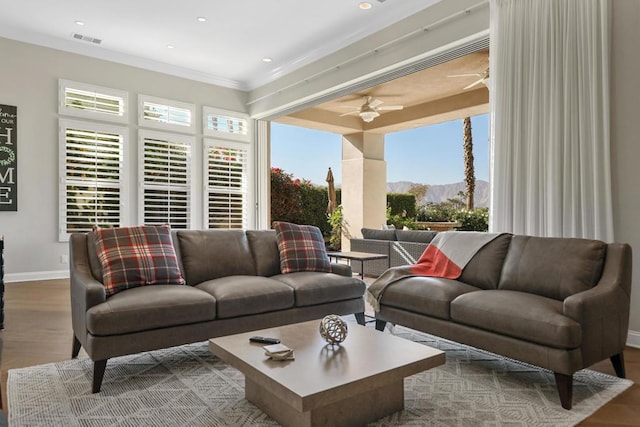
[[98, 372], [564, 383], [380, 324], [359, 318], [617, 360], [75, 349]]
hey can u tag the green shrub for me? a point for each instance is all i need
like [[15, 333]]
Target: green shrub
[[298, 201], [474, 220], [400, 221], [402, 204], [337, 226]]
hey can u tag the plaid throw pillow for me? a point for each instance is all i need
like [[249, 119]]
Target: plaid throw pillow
[[136, 256], [301, 248]]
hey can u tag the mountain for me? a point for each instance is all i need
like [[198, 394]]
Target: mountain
[[440, 193]]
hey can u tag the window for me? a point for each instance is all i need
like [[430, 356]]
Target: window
[[165, 177], [166, 114], [92, 178], [90, 101], [226, 181], [225, 124]]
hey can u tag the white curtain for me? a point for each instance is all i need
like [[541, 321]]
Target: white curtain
[[549, 96]]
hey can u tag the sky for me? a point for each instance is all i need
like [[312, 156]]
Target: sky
[[427, 155]]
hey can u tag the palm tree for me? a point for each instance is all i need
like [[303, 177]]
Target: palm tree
[[469, 173]]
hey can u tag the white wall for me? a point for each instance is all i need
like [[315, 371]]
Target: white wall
[[625, 143], [29, 79]]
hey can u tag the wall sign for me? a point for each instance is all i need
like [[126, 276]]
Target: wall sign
[[8, 158]]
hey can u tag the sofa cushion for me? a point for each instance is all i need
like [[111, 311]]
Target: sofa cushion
[[483, 270], [430, 296], [264, 247], [301, 248], [244, 295], [147, 308], [209, 254], [552, 267], [415, 236], [136, 256], [313, 288], [374, 234], [520, 315]]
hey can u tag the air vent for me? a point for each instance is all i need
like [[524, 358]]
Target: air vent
[[86, 38]]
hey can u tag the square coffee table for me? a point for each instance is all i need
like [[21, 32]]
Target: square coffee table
[[355, 383]]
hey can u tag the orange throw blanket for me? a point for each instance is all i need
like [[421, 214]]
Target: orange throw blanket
[[446, 256]]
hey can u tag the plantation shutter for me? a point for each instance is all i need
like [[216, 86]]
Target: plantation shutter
[[95, 102], [226, 171], [166, 180], [166, 114], [92, 181], [226, 124]]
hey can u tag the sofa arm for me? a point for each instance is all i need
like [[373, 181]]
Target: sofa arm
[[341, 269], [86, 291], [603, 311]]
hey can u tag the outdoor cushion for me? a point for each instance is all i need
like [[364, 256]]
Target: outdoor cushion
[[430, 296], [520, 315], [301, 248], [415, 236], [318, 288], [373, 234], [146, 308], [243, 295], [136, 256], [552, 267]]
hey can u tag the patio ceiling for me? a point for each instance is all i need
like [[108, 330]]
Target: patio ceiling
[[429, 96]]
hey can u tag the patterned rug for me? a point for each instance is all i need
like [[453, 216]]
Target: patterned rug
[[188, 386]]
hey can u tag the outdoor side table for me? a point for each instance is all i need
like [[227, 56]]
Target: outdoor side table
[[362, 257]]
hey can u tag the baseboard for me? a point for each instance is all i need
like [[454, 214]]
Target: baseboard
[[37, 275], [633, 339]]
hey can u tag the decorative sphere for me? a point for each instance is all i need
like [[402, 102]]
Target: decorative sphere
[[333, 329]]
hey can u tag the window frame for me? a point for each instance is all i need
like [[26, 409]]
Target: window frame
[[123, 181], [63, 85], [176, 138], [170, 103]]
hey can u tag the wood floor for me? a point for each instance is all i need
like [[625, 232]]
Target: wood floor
[[38, 330]]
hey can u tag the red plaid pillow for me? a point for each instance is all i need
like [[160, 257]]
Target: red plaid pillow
[[137, 256], [301, 248]]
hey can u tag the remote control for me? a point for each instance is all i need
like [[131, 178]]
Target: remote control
[[265, 340]]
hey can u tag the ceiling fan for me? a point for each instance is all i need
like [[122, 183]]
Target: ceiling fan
[[370, 109], [484, 78]]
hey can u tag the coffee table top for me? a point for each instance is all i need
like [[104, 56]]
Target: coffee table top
[[320, 372]]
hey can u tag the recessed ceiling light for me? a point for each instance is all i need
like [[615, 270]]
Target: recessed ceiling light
[[201, 19], [365, 5], [266, 59], [170, 46], [81, 23]]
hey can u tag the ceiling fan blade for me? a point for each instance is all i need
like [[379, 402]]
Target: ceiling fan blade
[[390, 108], [374, 103], [350, 112], [477, 82]]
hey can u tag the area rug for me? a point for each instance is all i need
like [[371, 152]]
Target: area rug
[[188, 386]]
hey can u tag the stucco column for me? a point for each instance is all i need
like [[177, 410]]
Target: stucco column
[[364, 184]]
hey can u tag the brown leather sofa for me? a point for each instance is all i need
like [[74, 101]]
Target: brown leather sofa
[[561, 304], [234, 285]]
